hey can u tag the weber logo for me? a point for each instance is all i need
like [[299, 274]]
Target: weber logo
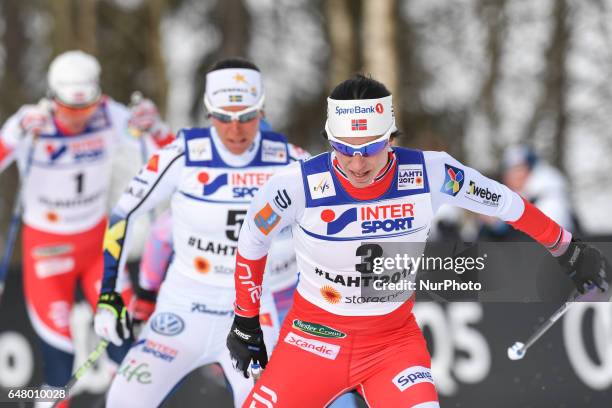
[[322, 349], [411, 376]]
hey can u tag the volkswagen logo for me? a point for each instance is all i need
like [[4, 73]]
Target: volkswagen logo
[[167, 324]]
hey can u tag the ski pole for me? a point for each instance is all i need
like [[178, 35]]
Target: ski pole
[[518, 350], [256, 371], [91, 359]]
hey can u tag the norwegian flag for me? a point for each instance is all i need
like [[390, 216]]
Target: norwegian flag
[[359, 124]]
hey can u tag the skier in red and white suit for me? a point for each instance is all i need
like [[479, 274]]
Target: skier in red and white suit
[[344, 206], [63, 147]]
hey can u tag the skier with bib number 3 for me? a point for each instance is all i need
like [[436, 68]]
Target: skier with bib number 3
[[345, 205]]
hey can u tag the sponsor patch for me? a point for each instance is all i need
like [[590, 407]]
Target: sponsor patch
[[411, 376], [201, 265], [322, 349], [372, 219], [199, 149], [318, 330], [132, 370], [167, 324], [159, 350], [46, 268], [482, 195], [330, 294], [410, 177], [153, 163], [266, 219], [282, 199], [453, 180], [52, 250], [274, 152], [202, 308], [321, 185]]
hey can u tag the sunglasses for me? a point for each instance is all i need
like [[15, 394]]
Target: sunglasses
[[243, 116], [365, 150], [81, 111]]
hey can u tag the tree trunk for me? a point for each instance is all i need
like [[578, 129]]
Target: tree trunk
[[87, 24], [552, 106], [155, 13], [341, 33], [63, 34], [379, 46]]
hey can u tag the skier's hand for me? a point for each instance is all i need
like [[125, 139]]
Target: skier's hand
[[245, 342], [35, 120], [112, 321], [585, 265]]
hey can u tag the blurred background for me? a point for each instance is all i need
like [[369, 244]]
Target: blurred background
[[470, 77]]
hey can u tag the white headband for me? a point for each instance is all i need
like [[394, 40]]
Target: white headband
[[359, 117], [233, 87]]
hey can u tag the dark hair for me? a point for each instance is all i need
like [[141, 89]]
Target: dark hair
[[360, 87], [235, 62]]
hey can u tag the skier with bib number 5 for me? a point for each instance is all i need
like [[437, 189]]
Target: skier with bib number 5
[[210, 175]]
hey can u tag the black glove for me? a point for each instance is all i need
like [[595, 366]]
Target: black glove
[[245, 342], [585, 265]]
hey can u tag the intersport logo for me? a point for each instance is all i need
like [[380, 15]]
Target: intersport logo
[[321, 349], [373, 218]]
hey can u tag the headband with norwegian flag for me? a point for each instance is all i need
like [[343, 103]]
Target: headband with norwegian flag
[[360, 117]]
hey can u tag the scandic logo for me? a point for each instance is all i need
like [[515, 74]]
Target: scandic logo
[[322, 349], [389, 217]]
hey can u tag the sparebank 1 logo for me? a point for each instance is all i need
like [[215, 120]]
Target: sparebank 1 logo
[[373, 218], [242, 184], [453, 180]]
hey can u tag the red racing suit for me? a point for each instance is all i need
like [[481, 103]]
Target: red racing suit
[[65, 193], [340, 334]]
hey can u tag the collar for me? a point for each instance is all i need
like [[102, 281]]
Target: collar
[[230, 158], [379, 186]]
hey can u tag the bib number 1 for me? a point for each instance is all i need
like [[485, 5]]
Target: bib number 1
[[79, 182]]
